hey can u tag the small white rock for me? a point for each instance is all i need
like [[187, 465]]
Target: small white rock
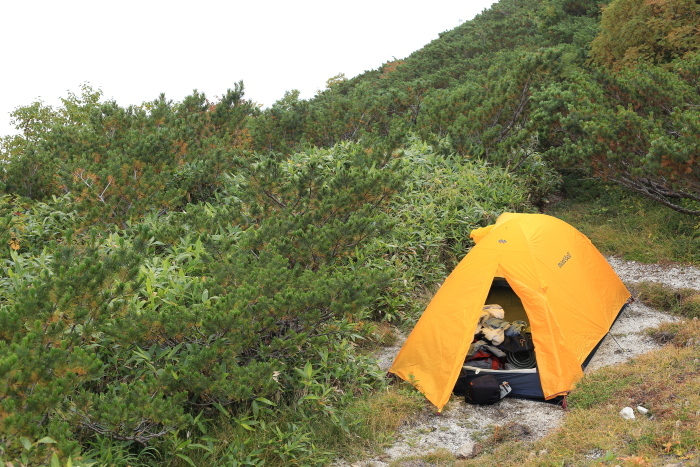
[[642, 410], [465, 450], [627, 413]]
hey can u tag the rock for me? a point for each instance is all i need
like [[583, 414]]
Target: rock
[[627, 413], [465, 451], [642, 410]]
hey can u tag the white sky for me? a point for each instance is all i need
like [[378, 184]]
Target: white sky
[[135, 50]]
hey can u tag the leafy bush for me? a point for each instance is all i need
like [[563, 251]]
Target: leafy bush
[[243, 311], [443, 199], [134, 335], [119, 163]]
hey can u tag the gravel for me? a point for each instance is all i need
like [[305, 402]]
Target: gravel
[[460, 426]]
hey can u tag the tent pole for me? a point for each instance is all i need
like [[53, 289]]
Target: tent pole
[[613, 338]]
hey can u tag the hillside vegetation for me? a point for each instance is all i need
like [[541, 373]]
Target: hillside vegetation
[[199, 282]]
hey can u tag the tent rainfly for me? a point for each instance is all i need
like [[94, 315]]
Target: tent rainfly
[[563, 286]]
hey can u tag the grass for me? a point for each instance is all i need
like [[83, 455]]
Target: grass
[[683, 302], [382, 414], [629, 226]]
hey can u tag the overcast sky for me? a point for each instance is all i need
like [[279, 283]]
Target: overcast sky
[[135, 50]]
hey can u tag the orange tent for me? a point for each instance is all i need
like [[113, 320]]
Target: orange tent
[[569, 292]]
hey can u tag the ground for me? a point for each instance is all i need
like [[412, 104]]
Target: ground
[[461, 425]]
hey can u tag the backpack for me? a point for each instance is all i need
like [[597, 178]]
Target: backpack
[[518, 343], [485, 390]]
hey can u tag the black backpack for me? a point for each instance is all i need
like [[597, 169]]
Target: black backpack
[[520, 343], [483, 390]]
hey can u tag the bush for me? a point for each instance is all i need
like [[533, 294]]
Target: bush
[[126, 337], [235, 319], [443, 199]]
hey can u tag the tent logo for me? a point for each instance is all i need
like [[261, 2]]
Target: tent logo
[[566, 258], [502, 241]]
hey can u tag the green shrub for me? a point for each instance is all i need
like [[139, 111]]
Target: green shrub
[[239, 318], [128, 338], [442, 200]]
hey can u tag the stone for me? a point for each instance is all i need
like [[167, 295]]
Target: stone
[[465, 451], [627, 413]]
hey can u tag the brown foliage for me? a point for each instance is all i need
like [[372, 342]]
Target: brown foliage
[[655, 31]]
